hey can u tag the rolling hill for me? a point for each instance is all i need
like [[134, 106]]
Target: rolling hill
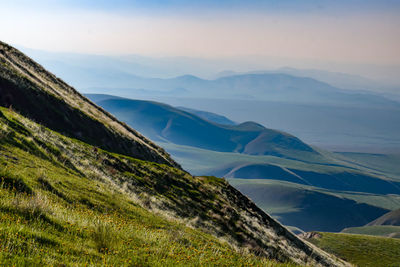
[[307, 207], [162, 122], [79, 187]]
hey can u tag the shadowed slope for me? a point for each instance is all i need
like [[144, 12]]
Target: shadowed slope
[[305, 207], [390, 218], [31, 90]]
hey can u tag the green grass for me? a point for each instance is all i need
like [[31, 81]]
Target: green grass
[[54, 213], [361, 250], [377, 230]]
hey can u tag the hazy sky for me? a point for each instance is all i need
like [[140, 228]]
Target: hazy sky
[[353, 31]]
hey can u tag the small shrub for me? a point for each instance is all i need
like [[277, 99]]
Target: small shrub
[[104, 237]]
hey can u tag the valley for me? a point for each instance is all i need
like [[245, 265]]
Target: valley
[[302, 186]]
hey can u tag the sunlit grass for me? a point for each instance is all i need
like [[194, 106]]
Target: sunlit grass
[[361, 250]]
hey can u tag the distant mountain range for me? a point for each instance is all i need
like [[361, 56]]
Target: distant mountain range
[[337, 79], [265, 86], [310, 104]]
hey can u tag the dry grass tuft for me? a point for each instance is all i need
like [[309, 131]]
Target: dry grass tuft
[[104, 236]]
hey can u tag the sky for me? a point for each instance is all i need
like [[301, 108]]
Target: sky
[[342, 31]]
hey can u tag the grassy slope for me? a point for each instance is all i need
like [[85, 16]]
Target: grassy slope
[[361, 250], [52, 214]]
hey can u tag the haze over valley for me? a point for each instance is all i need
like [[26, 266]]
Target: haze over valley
[[200, 133]]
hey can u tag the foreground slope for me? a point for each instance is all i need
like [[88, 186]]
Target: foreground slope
[[55, 185], [41, 96]]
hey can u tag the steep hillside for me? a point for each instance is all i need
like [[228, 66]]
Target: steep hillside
[[163, 122], [65, 198], [31, 90], [390, 218]]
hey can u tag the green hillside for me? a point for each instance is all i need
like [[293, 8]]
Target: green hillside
[[360, 250]]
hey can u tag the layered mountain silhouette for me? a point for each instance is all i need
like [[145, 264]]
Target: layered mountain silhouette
[[162, 122]]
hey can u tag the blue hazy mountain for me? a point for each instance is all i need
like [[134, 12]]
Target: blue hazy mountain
[[162, 122], [337, 79], [268, 87]]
